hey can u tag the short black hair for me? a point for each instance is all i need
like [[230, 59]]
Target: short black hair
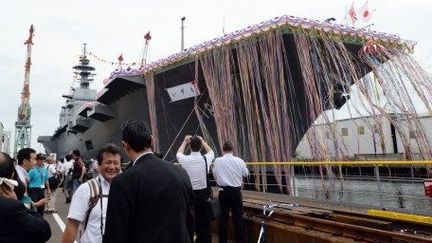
[[7, 167], [137, 134], [109, 148], [24, 153], [76, 152], [195, 144], [40, 157], [68, 157], [227, 146]]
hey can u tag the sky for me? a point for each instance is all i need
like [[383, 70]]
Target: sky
[[111, 28]]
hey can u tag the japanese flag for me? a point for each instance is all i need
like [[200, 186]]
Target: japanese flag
[[364, 13]]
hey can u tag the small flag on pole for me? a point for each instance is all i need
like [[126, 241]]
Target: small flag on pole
[[147, 36], [352, 13], [364, 13], [120, 58]]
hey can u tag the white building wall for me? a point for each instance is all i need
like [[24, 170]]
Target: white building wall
[[360, 144], [426, 126]]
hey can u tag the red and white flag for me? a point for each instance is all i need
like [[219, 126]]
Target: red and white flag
[[364, 13], [352, 13]]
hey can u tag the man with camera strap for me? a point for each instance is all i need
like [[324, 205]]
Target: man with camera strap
[[87, 213]]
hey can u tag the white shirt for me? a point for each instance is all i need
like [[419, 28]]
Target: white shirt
[[68, 165], [59, 166], [22, 174], [51, 170], [194, 165], [95, 170], [78, 209], [229, 170]]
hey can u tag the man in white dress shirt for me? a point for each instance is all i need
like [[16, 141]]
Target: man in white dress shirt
[[87, 224], [229, 171], [52, 173], [26, 160], [67, 177], [194, 164]]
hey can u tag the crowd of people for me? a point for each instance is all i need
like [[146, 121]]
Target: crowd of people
[[152, 200]]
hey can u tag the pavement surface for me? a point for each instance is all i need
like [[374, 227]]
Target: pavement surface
[[58, 220]]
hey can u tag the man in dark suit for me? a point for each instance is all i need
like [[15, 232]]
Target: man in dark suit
[[17, 223], [148, 202]]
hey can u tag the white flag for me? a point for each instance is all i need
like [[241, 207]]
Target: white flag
[[364, 14]]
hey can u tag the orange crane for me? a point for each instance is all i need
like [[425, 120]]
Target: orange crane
[[22, 125]]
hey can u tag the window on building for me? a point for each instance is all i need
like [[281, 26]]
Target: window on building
[[89, 144], [344, 131], [360, 130], [412, 135]]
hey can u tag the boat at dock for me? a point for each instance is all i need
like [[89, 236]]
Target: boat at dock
[[262, 87]]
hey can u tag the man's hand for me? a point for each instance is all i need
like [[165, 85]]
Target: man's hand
[[205, 145], [41, 202], [187, 139], [6, 192]]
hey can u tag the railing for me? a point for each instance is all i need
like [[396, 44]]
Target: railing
[[390, 185]]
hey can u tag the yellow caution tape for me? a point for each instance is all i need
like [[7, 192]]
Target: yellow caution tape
[[347, 163], [401, 216]]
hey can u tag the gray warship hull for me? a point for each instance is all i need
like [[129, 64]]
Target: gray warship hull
[[125, 97]]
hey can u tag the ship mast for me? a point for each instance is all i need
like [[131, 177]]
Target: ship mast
[[147, 39], [83, 70], [22, 125], [182, 33]]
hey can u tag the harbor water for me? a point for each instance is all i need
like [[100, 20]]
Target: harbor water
[[401, 195]]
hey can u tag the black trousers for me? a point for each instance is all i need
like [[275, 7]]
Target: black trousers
[[230, 199], [37, 194], [201, 217]]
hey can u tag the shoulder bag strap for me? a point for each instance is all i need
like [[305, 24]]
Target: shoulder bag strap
[[207, 176], [94, 196]]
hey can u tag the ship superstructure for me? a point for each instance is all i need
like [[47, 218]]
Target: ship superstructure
[[78, 96]]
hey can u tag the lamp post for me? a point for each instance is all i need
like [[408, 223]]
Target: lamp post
[[182, 33]]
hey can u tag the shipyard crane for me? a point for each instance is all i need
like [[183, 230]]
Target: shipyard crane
[[22, 125]]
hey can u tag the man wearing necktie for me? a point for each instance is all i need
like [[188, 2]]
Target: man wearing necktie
[[149, 201]]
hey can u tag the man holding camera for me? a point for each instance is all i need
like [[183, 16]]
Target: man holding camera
[[195, 166]]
